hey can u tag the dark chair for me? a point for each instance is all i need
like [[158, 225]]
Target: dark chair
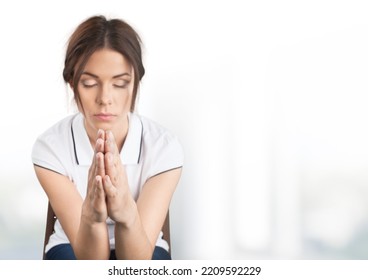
[[51, 218]]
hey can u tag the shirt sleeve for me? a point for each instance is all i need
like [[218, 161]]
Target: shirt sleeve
[[168, 154], [46, 153]]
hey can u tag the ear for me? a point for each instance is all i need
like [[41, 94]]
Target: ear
[[71, 84]]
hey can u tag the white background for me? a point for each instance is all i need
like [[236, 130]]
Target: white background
[[268, 98]]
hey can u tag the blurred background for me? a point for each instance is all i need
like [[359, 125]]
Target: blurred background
[[268, 98]]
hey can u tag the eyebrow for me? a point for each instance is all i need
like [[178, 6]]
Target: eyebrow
[[114, 77]]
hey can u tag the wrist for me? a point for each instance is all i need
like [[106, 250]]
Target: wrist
[[91, 218], [130, 217]]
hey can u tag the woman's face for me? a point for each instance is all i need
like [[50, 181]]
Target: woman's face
[[105, 90]]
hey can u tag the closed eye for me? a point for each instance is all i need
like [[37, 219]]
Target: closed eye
[[121, 84], [89, 86], [89, 83]]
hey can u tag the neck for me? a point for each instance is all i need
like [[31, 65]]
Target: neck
[[120, 134]]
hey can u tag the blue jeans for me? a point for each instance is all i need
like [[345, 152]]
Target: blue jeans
[[65, 252]]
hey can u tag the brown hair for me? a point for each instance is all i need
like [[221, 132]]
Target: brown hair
[[97, 33]]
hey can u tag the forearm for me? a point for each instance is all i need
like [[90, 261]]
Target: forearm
[[92, 241], [131, 241]]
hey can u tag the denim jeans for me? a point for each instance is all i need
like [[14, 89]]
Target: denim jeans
[[65, 252]]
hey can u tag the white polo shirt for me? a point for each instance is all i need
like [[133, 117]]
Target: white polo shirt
[[149, 149]]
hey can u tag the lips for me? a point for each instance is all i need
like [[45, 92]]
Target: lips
[[104, 116]]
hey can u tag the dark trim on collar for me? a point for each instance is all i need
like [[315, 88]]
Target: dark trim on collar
[[132, 150], [140, 145], [75, 150]]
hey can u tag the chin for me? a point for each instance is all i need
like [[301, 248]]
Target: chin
[[104, 127]]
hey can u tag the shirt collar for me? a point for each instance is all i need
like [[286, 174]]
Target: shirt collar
[[130, 153]]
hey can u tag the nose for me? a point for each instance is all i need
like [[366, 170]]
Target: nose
[[104, 96]]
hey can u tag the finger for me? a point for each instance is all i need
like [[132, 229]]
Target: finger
[[92, 173], [91, 190], [109, 188], [101, 134], [100, 146], [110, 167], [98, 188], [112, 147], [99, 197], [100, 164], [92, 170], [100, 142], [110, 143]]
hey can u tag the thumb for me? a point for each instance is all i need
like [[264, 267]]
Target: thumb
[[110, 190]]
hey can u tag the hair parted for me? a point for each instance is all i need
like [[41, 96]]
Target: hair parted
[[97, 33]]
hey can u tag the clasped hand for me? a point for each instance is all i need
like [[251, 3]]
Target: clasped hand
[[107, 190]]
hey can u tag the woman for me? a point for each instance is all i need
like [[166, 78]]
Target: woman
[[109, 173]]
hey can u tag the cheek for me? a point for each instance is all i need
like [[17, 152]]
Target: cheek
[[81, 106], [87, 96], [125, 96], [85, 103], [124, 104], [126, 100]]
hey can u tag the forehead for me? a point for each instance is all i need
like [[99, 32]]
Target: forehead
[[107, 62]]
